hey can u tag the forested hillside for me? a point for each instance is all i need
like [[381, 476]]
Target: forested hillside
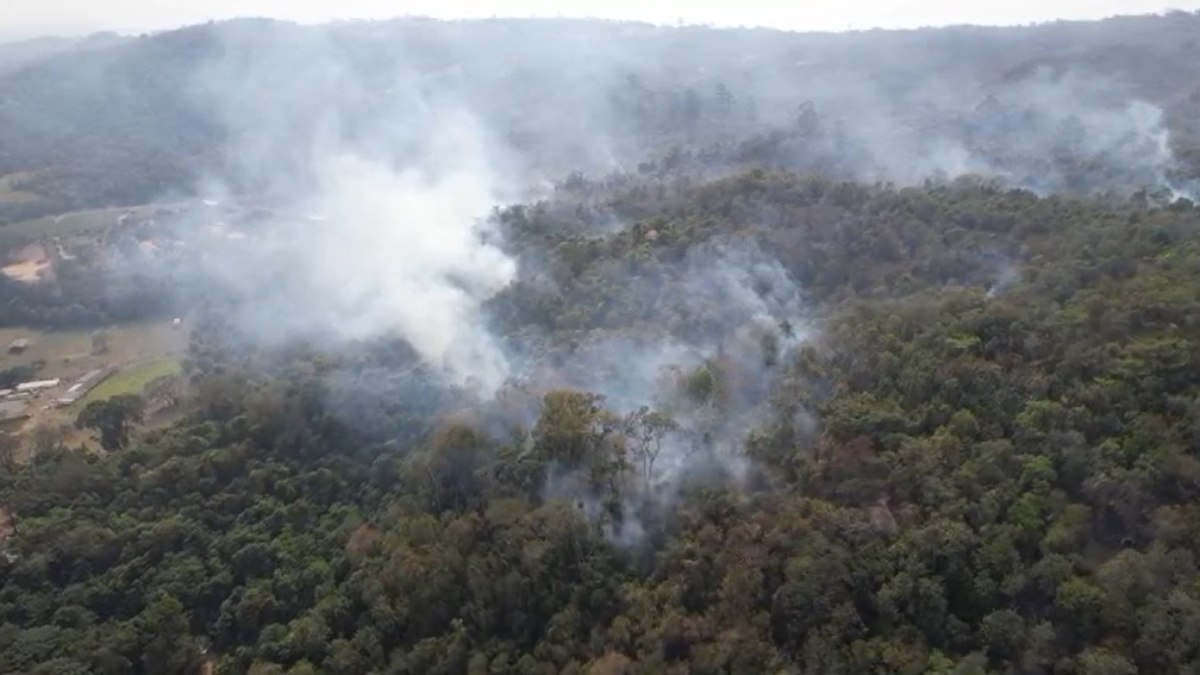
[[983, 459], [1063, 106], [582, 347]]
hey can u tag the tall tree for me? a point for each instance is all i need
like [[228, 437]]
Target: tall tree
[[113, 418]]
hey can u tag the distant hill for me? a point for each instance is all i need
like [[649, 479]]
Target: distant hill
[[21, 53], [1061, 106]]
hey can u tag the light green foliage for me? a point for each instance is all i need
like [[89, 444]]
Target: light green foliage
[[134, 379]]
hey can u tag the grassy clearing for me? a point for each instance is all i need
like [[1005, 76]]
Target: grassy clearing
[[143, 351], [67, 224], [18, 234], [133, 380], [62, 352], [68, 354]]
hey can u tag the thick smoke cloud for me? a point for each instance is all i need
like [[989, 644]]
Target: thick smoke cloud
[[1043, 131], [369, 158], [376, 206], [376, 152], [402, 252], [351, 205]]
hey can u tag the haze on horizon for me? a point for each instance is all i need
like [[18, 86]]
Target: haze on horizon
[[29, 18]]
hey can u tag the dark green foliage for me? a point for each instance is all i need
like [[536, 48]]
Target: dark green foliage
[[11, 377], [112, 418], [994, 477], [77, 299]]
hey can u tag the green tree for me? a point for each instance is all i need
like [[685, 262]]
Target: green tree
[[100, 342], [576, 434], [113, 418], [169, 647], [10, 446], [1100, 661], [645, 430]]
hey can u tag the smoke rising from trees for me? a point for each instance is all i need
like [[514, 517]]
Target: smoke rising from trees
[[376, 156]]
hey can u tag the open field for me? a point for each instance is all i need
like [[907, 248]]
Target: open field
[[133, 378], [18, 234], [68, 354], [141, 352], [26, 231]]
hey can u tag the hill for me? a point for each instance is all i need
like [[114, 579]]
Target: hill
[[579, 347], [970, 450], [162, 114]]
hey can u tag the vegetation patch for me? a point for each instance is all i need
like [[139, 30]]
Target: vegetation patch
[[26, 231], [134, 379], [67, 354]]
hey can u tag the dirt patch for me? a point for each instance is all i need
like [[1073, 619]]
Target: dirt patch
[[30, 264], [29, 272]]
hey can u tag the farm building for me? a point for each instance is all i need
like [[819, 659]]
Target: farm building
[[18, 346], [93, 377], [83, 385], [37, 385], [71, 395]]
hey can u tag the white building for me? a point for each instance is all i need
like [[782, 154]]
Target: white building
[[37, 385]]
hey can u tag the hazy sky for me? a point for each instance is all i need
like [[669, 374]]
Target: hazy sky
[[23, 18]]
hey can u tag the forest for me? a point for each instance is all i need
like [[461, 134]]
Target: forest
[[756, 408], [957, 475], [1063, 106]]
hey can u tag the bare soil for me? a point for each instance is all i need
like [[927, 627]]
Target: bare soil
[[30, 264]]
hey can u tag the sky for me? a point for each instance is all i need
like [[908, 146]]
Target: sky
[[28, 18]]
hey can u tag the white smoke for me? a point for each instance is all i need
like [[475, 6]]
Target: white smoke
[[378, 251], [376, 194], [404, 252]]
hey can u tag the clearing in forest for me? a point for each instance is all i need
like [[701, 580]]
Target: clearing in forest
[[133, 379]]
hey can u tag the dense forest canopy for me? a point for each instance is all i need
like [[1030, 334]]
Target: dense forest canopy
[[615, 354]]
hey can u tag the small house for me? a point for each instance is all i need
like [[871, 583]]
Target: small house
[[18, 346]]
